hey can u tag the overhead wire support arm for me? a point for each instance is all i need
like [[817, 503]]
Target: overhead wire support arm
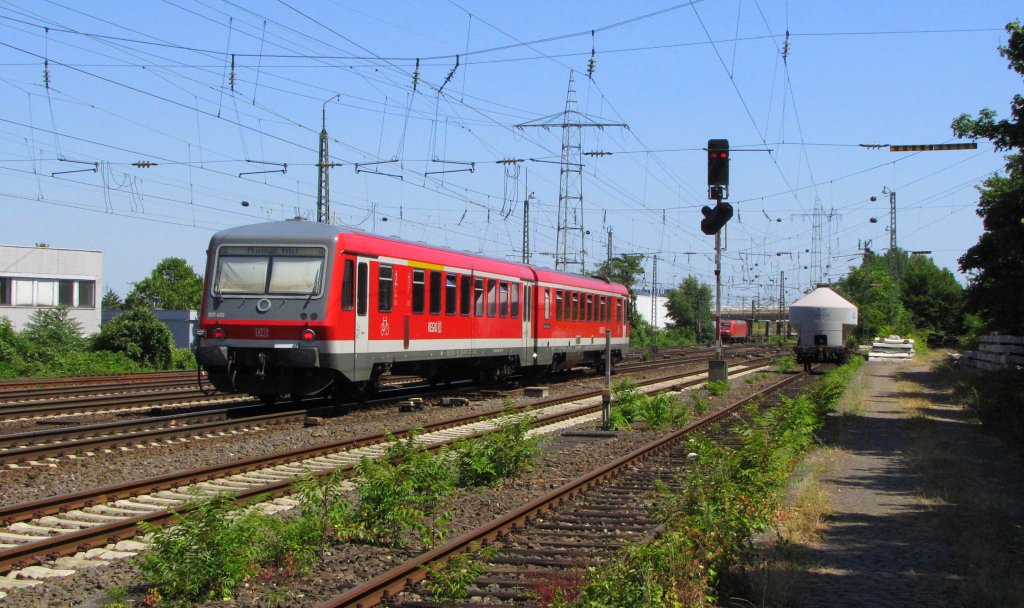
[[94, 169], [470, 169], [360, 169], [283, 169]]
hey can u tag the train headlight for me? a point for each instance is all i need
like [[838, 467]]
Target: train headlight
[[218, 333], [308, 335]]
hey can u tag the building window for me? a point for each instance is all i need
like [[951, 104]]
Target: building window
[[66, 293], [46, 293], [5, 291], [87, 294], [385, 288]]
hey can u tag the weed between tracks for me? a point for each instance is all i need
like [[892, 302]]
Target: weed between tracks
[[216, 544], [728, 495]]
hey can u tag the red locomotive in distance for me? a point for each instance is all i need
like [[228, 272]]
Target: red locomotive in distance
[[301, 308], [735, 331]]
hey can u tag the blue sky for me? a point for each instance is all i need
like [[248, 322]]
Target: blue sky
[[152, 81]]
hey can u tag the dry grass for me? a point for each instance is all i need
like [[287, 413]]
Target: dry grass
[[773, 572], [975, 518]]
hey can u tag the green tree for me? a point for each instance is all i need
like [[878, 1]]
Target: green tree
[[53, 329], [689, 307], [932, 296], [140, 335], [111, 301], [172, 285], [624, 269], [995, 265], [877, 297]]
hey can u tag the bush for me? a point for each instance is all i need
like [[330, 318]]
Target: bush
[[398, 493], [717, 387], [484, 461], [183, 358], [51, 329], [140, 336], [206, 554]]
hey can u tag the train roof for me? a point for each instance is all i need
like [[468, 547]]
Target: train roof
[[302, 231], [823, 297]]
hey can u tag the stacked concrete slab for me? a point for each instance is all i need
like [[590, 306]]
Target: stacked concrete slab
[[893, 348], [996, 352]]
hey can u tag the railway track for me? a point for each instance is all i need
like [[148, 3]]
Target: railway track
[[32, 448], [91, 520], [583, 521]]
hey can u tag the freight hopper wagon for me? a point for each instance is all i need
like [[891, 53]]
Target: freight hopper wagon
[[824, 320], [299, 308]]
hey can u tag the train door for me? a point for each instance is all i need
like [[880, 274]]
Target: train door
[[527, 317], [362, 317]]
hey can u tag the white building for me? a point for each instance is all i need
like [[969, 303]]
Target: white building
[[32, 278], [643, 306]]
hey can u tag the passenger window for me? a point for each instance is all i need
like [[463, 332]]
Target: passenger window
[[590, 307], [385, 283], [547, 304], [515, 301], [526, 302], [492, 297], [348, 286], [362, 281], [503, 299], [575, 306], [478, 297], [558, 306], [618, 310], [451, 300], [466, 297], [418, 290], [435, 292]]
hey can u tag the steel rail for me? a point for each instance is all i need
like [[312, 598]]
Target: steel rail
[[371, 593], [73, 542]]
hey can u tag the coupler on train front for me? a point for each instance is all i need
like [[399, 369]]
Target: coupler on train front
[[265, 371]]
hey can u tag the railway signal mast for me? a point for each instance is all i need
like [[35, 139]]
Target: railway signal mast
[[714, 219]]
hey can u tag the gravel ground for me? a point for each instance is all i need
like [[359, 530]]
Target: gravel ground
[[346, 565]]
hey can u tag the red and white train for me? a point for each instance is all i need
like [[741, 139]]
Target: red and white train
[[301, 308]]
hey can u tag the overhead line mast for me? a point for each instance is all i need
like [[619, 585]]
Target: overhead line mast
[[570, 195]]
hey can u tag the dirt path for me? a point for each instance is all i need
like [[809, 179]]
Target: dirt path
[[889, 539]]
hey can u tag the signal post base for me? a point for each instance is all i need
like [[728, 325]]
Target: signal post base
[[718, 370]]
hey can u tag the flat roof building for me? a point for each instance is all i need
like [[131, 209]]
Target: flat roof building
[[33, 278]]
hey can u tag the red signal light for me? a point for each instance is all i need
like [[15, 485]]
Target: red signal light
[[218, 333], [308, 335]]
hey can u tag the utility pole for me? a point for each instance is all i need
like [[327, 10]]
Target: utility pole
[[609, 255], [526, 228], [894, 265], [782, 302], [654, 299], [570, 195], [323, 165]]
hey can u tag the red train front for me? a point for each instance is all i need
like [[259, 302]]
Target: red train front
[[300, 308], [735, 331]]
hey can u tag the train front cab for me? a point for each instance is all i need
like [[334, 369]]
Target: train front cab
[[266, 318]]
